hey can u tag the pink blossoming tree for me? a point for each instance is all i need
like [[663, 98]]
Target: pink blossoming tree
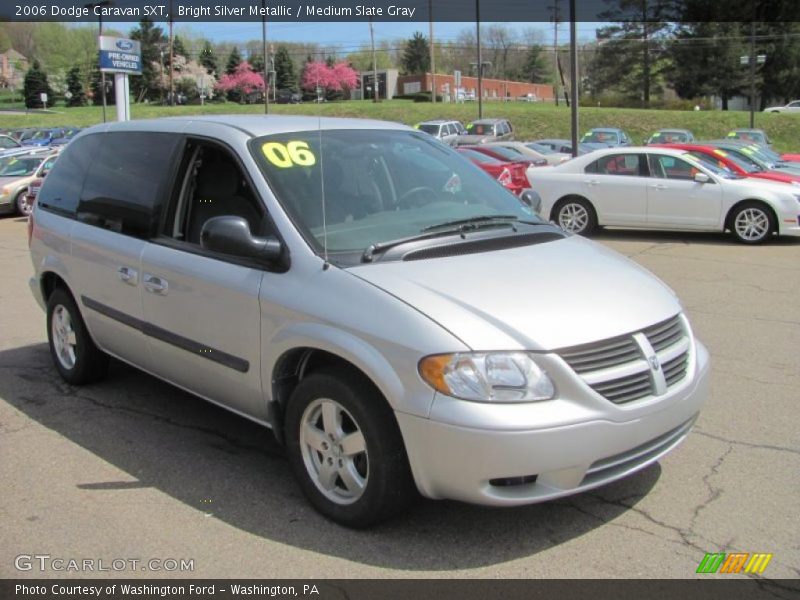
[[341, 77], [242, 82]]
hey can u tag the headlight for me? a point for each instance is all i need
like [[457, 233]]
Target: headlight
[[487, 376], [6, 190]]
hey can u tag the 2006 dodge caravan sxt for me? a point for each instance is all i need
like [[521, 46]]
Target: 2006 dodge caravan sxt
[[396, 317]]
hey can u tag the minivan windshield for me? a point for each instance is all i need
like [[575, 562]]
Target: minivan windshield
[[378, 185]]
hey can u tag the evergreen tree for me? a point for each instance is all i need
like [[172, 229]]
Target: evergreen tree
[[234, 60], [535, 68], [152, 40], [285, 78], [97, 92], [416, 58], [256, 60], [178, 49], [75, 88], [209, 59], [36, 84]]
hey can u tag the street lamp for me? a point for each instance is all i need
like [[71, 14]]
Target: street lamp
[[92, 6]]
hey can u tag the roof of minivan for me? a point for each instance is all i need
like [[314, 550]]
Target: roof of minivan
[[255, 125]]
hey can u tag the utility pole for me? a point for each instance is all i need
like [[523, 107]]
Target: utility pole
[[433, 59], [91, 6], [753, 72], [264, 52], [171, 58], [573, 77], [556, 21], [480, 57], [376, 87]]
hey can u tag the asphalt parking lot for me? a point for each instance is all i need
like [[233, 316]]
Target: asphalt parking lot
[[134, 469]]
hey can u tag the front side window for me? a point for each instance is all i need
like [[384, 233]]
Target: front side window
[[669, 167], [348, 189]]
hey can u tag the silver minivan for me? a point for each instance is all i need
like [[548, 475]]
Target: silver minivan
[[401, 322]]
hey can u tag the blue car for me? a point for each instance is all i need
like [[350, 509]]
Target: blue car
[[43, 137], [67, 134]]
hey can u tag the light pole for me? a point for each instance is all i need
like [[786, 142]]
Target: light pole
[[480, 57], [264, 53], [375, 86], [433, 59], [573, 78], [91, 7]]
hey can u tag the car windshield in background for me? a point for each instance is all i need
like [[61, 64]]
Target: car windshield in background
[[710, 165], [379, 185], [431, 129], [7, 143], [540, 148], [479, 157], [669, 137], [601, 137], [507, 153], [748, 165], [18, 167], [480, 129]]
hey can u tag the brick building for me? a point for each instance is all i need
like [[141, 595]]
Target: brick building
[[493, 89]]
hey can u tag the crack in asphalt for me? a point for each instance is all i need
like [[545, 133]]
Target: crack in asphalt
[[719, 438]]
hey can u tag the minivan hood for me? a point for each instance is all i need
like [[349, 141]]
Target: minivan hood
[[539, 297]]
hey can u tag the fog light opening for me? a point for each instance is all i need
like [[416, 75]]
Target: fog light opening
[[512, 481]]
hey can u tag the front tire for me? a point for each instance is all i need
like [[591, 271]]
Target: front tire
[[576, 215], [21, 205], [752, 223], [75, 355], [346, 450]]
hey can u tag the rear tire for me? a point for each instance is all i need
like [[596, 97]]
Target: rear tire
[[75, 355], [752, 223], [575, 215], [21, 205], [346, 450]]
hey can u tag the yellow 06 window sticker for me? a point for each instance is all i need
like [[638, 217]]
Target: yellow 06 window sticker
[[291, 154]]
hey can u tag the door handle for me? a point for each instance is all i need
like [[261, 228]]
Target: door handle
[[154, 284], [128, 275], [659, 186], [591, 182]]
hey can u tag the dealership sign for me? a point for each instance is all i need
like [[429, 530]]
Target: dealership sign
[[120, 55]]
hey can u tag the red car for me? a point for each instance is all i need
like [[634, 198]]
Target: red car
[[513, 175], [507, 155], [726, 160], [791, 157]]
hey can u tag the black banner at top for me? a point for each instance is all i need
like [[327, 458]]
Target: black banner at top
[[195, 11]]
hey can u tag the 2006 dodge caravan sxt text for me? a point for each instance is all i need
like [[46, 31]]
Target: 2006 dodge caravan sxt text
[[397, 318]]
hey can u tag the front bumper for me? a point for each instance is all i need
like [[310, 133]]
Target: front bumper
[[459, 462]]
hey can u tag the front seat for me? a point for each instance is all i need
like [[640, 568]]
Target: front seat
[[216, 195]]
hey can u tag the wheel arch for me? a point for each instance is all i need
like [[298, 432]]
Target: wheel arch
[[305, 356], [566, 198], [728, 222]]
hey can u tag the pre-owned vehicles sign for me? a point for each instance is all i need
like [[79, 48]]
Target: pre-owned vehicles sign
[[120, 55]]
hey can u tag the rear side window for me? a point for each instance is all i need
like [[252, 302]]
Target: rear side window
[[62, 188], [126, 185]]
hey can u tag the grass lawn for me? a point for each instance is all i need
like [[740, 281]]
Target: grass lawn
[[530, 120]]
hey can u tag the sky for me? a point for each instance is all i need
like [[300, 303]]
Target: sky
[[358, 33]]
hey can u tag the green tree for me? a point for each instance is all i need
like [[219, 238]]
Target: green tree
[[152, 39], [209, 59], [416, 55], [536, 67], [178, 47], [285, 77], [75, 88], [629, 54], [234, 60], [256, 60], [779, 77], [97, 87], [36, 84]]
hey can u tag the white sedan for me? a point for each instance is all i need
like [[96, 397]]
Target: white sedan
[[657, 188], [792, 107]]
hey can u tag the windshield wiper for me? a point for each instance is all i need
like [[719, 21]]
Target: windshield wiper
[[371, 250], [471, 221]]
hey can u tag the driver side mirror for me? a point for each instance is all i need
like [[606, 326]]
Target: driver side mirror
[[532, 199], [701, 178], [231, 235]]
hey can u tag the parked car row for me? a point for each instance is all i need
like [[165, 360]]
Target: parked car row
[[17, 173], [36, 137]]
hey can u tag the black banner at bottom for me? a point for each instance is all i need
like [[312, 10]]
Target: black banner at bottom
[[401, 589]]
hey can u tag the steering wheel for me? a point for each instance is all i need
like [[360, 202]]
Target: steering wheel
[[405, 199]]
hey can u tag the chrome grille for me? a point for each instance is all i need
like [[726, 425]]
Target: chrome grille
[[618, 369]]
